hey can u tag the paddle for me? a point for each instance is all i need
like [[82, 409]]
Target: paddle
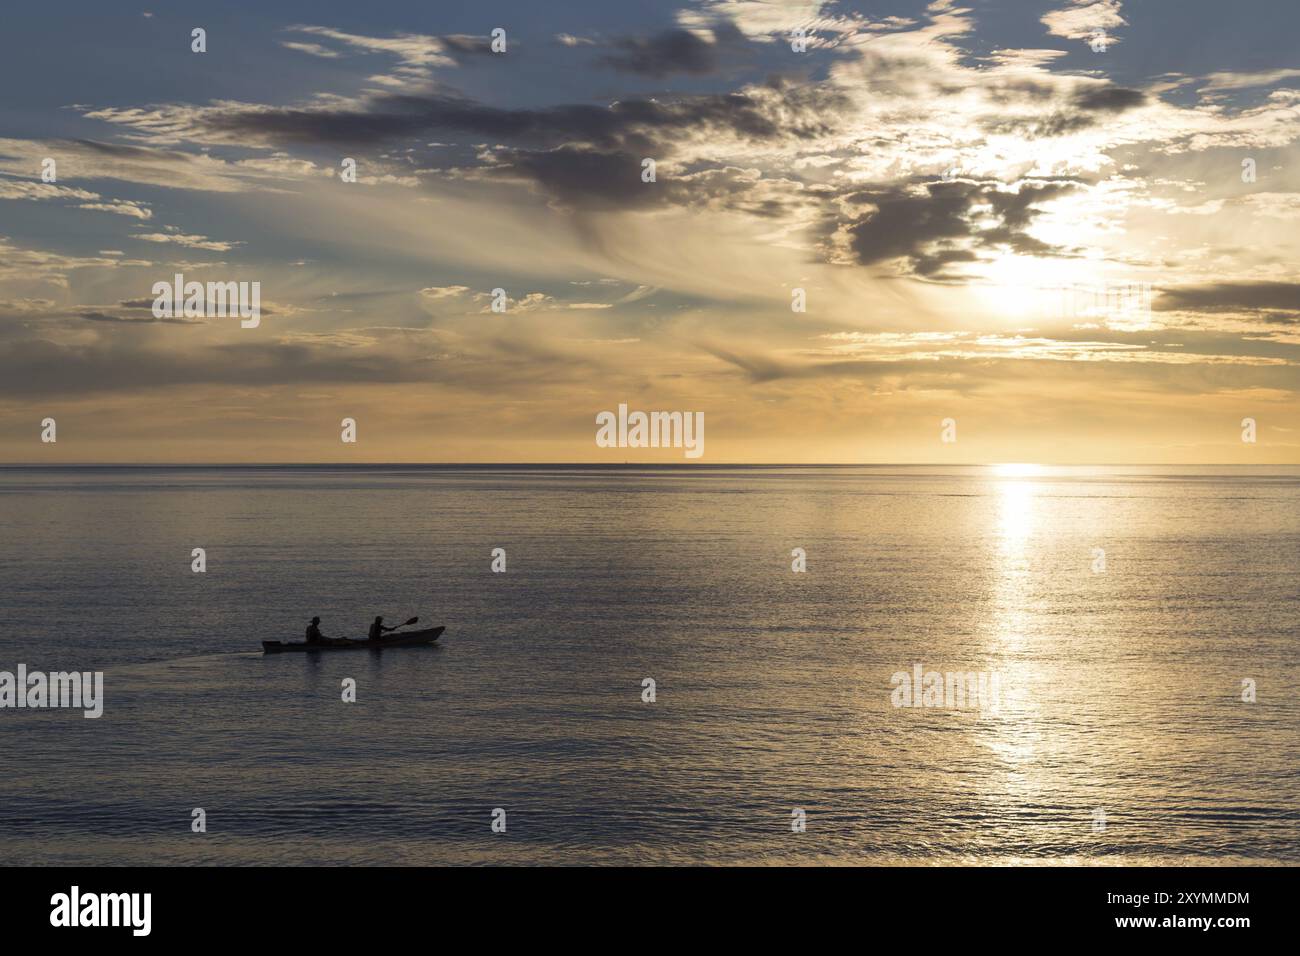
[[395, 627]]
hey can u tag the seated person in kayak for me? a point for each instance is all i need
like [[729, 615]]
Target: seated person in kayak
[[377, 629], [314, 636]]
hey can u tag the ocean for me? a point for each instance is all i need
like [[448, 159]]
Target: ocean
[[1143, 625]]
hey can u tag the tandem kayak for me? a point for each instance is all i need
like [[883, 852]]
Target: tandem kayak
[[409, 639]]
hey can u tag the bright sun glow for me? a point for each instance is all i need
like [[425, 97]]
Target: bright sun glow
[[1018, 470]]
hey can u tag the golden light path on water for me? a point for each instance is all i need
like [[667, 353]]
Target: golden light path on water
[[1011, 729]]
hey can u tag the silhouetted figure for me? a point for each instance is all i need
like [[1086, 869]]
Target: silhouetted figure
[[314, 636], [377, 629]]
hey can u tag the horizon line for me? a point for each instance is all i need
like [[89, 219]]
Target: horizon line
[[684, 465]]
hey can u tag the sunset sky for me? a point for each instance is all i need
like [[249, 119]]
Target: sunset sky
[[959, 188]]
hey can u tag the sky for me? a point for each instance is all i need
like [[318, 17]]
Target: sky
[[1057, 232]]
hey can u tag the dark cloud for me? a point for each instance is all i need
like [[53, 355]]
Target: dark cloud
[[1086, 108], [759, 368], [95, 316], [581, 155], [1279, 300], [1038, 127], [584, 178], [120, 151], [122, 363], [461, 43], [178, 306], [937, 228], [1108, 99], [903, 224], [1017, 89], [770, 113], [674, 51]]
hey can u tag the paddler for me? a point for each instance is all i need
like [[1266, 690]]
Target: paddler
[[314, 636], [377, 629]]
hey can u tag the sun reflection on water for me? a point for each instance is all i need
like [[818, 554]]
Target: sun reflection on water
[[1011, 733]]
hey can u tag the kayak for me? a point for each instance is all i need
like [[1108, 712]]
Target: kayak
[[408, 639]]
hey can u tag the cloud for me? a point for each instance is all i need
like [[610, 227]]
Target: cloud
[[84, 159], [1084, 108], [1108, 99], [29, 306], [121, 207], [311, 49], [97, 316], [945, 223], [417, 54], [1275, 205], [1277, 302], [1083, 19], [21, 264], [673, 51], [763, 19], [121, 361], [759, 368], [31, 190], [578, 176], [444, 292], [470, 45], [773, 112], [35, 191], [1240, 81], [188, 241]]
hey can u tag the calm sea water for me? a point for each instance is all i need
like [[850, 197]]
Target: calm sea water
[[1120, 691]]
